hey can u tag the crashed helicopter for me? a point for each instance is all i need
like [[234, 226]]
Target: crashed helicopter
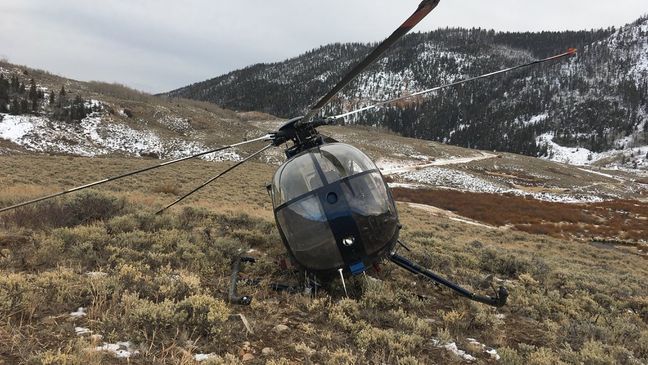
[[334, 210]]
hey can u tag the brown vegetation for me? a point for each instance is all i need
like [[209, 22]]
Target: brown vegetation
[[617, 220]]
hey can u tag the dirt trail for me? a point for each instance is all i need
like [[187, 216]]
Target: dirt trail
[[440, 162], [450, 215]]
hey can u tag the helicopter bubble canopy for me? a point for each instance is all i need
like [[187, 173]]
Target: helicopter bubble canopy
[[333, 209]]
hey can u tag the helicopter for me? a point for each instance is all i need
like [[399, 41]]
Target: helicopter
[[333, 208]]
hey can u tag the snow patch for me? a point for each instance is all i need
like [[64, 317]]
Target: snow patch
[[533, 120], [568, 155], [94, 104], [634, 156], [80, 312], [452, 347], [96, 274], [94, 136], [13, 128], [453, 179], [204, 357], [119, 349], [82, 331], [176, 124], [490, 351], [390, 166]]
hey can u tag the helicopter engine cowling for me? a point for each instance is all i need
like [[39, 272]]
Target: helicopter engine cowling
[[334, 210]]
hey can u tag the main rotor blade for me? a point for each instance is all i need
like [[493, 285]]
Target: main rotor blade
[[214, 178], [570, 52], [109, 179], [421, 12]]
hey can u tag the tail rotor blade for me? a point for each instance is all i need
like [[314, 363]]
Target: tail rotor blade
[[214, 178], [109, 179], [570, 52], [421, 12]]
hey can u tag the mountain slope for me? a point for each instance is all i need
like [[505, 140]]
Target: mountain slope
[[597, 101], [97, 119], [64, 116]]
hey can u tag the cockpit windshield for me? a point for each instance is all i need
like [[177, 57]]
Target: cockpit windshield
[[318, 167]]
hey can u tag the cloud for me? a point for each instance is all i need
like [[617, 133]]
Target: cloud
[[160, 45]]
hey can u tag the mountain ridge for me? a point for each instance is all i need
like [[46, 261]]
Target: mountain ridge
[[493, 114]]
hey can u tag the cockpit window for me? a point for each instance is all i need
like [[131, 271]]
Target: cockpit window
[[339, 161], [295, 178], [318, 167]]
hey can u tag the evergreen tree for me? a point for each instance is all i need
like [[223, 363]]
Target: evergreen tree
[[24, 106], [4, 94], [15, 107], [62, 99], [33, 95]]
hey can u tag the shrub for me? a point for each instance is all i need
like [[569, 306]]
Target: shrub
[[123, 224], [340, 356], [594, 353], [90, 206], [47, 292], [509, 356], [387, 341], [82, 208], [144, 318], [503, 263], [13, 289], [544, 356], [176, 285], [189, 217], [203, 314], [379, 295]]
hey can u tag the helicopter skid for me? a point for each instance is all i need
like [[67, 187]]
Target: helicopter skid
[[498, 301]]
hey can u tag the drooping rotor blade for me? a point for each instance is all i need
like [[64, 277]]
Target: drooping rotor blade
[[109, 179], [570, 52], [421, 12], [214, 178]]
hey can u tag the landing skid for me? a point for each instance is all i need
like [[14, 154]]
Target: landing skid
[[498, 300]]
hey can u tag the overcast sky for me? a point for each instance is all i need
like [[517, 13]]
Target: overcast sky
[[159, 45]]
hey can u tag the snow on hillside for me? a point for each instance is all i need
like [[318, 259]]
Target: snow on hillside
[[453, 179], [634, 34], [95, 136], [434, 173], [634, 156]]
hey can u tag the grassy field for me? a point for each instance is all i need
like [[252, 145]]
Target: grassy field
[[160, 281]]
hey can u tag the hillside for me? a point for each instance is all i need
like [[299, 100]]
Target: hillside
[[591, 110], [113, 120], [93, 118]]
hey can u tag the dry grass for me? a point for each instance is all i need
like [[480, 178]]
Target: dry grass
[[165, 277]]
